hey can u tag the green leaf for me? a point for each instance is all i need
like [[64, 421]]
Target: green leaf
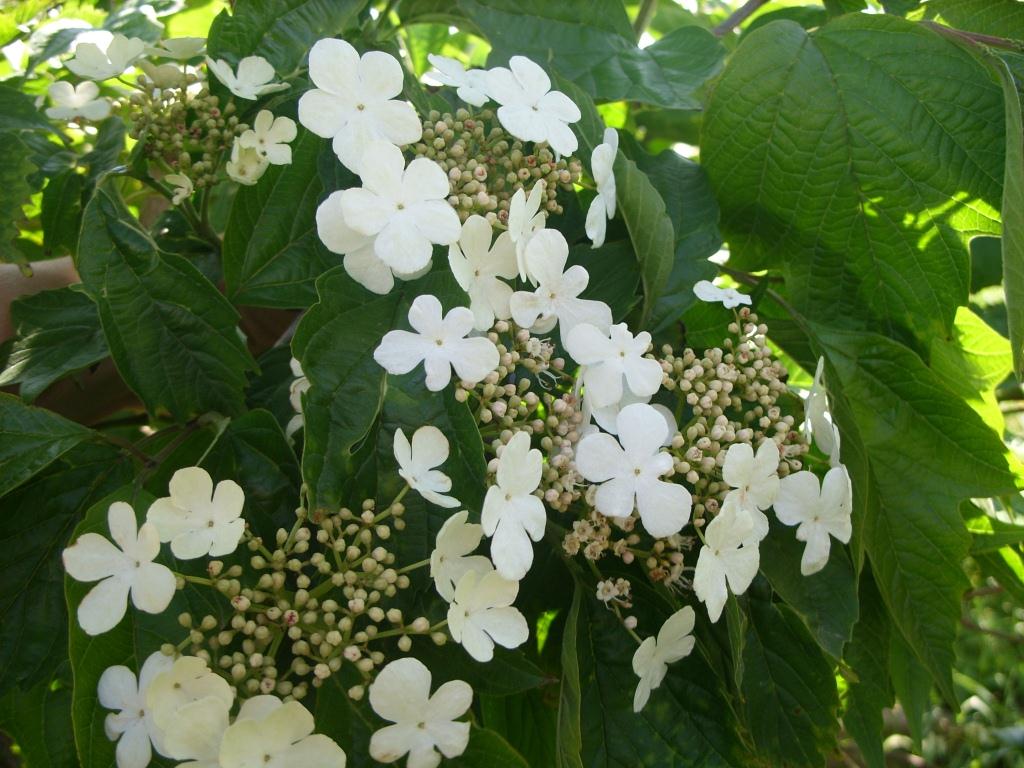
[[868, 657], [347, 722], [826, 601], [37, 521], [927, 450], [37, 721], [61, 215], [509, 673], [57, 332], [912, 684], [528, 722], [788, 688], [860, 158], [1013, 216], [18, 112], [271, 388], [614, 274], [173, 336], [570, 697], [988, 532], [1002, 18], [486, 749], [272, 253], [33, 438], [14, 170], [1006, 567], [281, 31]]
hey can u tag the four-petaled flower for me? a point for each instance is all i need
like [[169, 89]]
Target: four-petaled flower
[[188, 680], [354, 101], [132, 726], [754, 478], [270, 733], [477, 265], [820, 510], [416, 464], [529, 109], [629, 471], [183, 187], [71, 101], [439, 343], [105, 57], [651, 660], [556, 298], [269, 136], [512, 515], [471, 84], [403, 207], [612, 360], [602, 207], [525, 218], [730, 298], [481, 614], [425, 726], [451, 557], [197, 519], [181, 48], [120, 570], [252, 80], [246, 165], [728, 559]]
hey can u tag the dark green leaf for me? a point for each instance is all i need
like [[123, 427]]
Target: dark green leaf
[[510, 672], [271, 388], [173, 336], [18, 111], [912, 684], [614, 275], [528, 722], [57, 332], [14, 170], [487, 749], [32, 439], [570, 698], [37, 720], [61, 215], [348, 722], [1002, 18]]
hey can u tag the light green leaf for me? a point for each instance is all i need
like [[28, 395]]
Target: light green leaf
[[990, 533], [173, 336], [32, 439], [56, 332], [1002, 18], [860, 159]]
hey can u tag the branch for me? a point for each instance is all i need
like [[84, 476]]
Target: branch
[[644, 16], [737, 17]]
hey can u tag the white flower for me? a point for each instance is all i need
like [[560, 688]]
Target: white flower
[[424, 725], [299, 387], [416, 464], [818, 421], [629, 474], [246, 165], [471, 84], [71, 101], [164, 75], [613, 360], [132, 726], [120, 570], [181, 48], [195, 731], [525, 218], [481, 614], [754, 478], [353, 102], [602, 207], [252, 79], [605, 417], [651, 660], [450, 559], [183, 187], [529, 109], [512, 515], [439, 343], [405, 208], [187, 681], [729, 556], [705, 290], [820, 511], [274, 734], [556, 298], [197, 519], [106, 57], [477, 265], [269, 136]]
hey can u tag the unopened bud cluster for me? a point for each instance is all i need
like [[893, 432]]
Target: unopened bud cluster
[[486, 166]]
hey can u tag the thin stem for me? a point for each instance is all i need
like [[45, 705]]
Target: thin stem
[[126, 445], [644, 16], [737, 17], [414, 566], [975, 37]]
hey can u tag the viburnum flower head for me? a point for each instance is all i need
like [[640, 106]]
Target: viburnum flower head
[[818, 419], [820, 510], [276, 734], [754, 478], [416, 462], [481, 614], [132, 725], [602, 207], [76, 101], [354, 101], [529, 109], [197, 519], [730, 298], [478, 267], [629, 471], [424, 725], [404, 208], [439, 343], [556, 299], [451, 557], [612, 362], [180, 48], [651, 660], [251, 80], [124, 569], [269, 136], [512, 515], [246, 165], [105, 56], [525, 218], [728, 559], [471, 84]]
